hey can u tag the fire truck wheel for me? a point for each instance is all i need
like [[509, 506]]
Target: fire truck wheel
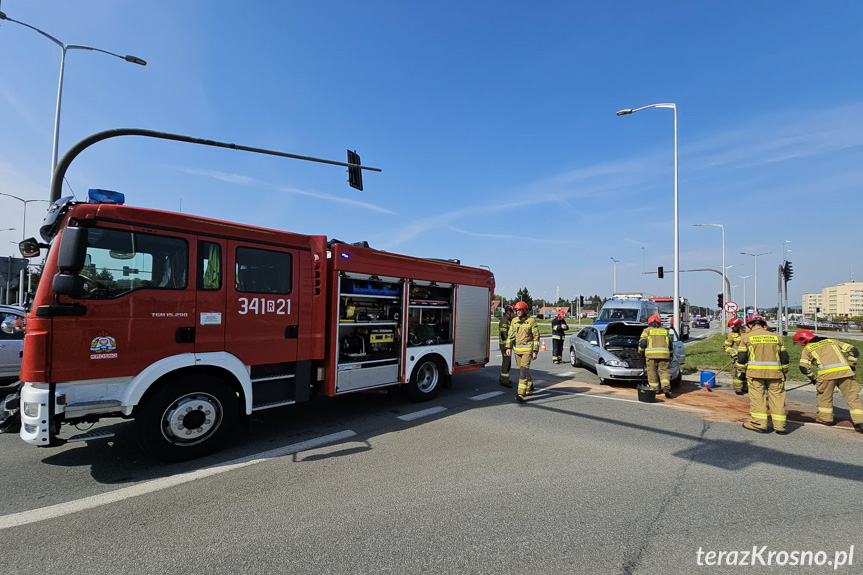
[[187, 417], [426, 380]]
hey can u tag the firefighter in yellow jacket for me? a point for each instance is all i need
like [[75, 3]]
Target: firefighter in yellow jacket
[[731, 344], [830, 364], [558, 334], [523, 341], [503, 336], [656, 346], [764, 361]]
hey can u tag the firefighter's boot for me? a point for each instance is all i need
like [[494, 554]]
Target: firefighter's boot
[[521, 392], [667, 391], [753, 427], [529, 390]]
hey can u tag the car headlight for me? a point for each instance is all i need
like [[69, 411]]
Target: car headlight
[[617, 363]]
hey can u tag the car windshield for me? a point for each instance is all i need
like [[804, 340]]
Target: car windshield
[[619, 314]]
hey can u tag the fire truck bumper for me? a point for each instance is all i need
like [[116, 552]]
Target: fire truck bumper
[[35, 417]]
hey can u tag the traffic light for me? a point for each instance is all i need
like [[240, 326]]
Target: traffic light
[[787, 272], [355, 173], [719, 301], [581, 300], [660, 272]]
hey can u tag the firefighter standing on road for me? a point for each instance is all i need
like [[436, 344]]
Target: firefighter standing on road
[[503, 335], [523, 341], [732, 342], [655, 345], [764, 362], [833, 363], [558, 329]]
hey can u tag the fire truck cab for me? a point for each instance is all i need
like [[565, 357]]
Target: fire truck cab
[[188, 324]]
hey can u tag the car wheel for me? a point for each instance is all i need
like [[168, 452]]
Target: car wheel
[[573, 360], [187, 417], [426, 380]]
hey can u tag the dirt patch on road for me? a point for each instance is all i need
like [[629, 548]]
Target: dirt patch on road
[[717, 404]]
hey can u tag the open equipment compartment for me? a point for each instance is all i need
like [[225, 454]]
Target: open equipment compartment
[[370, 312]]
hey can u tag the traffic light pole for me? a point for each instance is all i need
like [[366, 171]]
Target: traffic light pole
[[779, 329]]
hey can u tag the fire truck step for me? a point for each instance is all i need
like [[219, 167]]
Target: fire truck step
[[273, 377], [273, 404], [98, 434]]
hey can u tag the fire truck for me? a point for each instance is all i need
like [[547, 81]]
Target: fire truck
[[666, 314], [187, 325]]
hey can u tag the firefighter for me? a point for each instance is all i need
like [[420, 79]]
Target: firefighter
[[732, 342], [763, 360], [558, 329], [523, 341], [503, 334], [835, 363], [655, 345]]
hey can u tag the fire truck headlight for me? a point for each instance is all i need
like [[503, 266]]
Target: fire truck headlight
[[30, 428], [30, 408]]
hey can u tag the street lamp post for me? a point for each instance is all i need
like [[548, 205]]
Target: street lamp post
[[614, 285], [725, 295], [676, 316], [25, 202], [755, 297], [63, 49], [744, 293]]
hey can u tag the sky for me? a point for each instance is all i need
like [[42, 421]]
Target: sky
[[493, 123]]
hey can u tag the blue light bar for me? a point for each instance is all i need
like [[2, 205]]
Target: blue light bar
[[346, 256], [97, 196]]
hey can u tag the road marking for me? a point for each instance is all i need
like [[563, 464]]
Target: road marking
[[597, 396], [423, 413], [486, 395], [566, 373], [61, 509]]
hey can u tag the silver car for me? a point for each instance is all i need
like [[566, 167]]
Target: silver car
[[11, 342], [611, 350]]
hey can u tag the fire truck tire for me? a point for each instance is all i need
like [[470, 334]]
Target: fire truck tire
[[187, 417], [426, 380]]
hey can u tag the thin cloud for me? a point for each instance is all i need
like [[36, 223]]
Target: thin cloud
[[513, 237]]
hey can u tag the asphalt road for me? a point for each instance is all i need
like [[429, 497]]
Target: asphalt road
[[472, 482]]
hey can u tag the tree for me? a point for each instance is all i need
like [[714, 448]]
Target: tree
[[524, 295]]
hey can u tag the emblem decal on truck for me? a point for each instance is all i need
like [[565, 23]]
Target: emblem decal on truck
[[103, 342]]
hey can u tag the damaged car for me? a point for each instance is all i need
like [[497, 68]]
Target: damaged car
[[611, 350]]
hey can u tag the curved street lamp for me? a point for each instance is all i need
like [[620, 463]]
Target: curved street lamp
[[725, 297], [63, 49], [676, 317], [614, 285], [25, 202]]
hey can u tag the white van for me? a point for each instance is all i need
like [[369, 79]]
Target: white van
[[626, 310]]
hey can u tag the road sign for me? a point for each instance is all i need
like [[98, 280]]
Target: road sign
[[730, 306], [740, 314]]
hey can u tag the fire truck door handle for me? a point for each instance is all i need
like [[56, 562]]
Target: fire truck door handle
[[291, 332], [184, 335]]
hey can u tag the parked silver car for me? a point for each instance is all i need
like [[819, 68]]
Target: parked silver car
[[611, 350], [11, 342]]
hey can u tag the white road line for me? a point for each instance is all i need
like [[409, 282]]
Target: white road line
[[423, 413], [597, 396], [54, 511], [566, 373], [486, 395]]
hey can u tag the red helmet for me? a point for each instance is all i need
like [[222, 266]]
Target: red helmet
[[560, 314], [803, 336], [755, 319], [520, 306], [508, 308], [734, 322], [654, 318]]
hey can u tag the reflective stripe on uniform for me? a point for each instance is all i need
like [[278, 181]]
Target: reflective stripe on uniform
[[779, 417], [833, 367], [828, 410], [522, 348], [758, 415]]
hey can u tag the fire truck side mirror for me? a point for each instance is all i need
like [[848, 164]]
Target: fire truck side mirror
[[73, 250], [29, 248], [66, 284]]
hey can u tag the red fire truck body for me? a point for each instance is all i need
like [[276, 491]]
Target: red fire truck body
[[186, 324]]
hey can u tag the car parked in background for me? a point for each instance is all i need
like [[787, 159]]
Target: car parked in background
[[611, 350], [11, 342], [701, 322]]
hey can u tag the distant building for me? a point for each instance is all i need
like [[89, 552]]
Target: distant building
[[551, 312], [841, 300]]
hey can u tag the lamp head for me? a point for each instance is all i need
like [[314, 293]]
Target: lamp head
[[135, 60], [624, 112]]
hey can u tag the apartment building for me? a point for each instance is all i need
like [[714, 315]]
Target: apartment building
[[841, 300]]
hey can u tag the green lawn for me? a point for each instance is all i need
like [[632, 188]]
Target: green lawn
[[708, 355]]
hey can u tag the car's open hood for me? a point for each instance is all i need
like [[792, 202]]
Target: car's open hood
[[625, 327]]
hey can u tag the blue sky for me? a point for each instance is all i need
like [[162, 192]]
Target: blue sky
[[494, 124]]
